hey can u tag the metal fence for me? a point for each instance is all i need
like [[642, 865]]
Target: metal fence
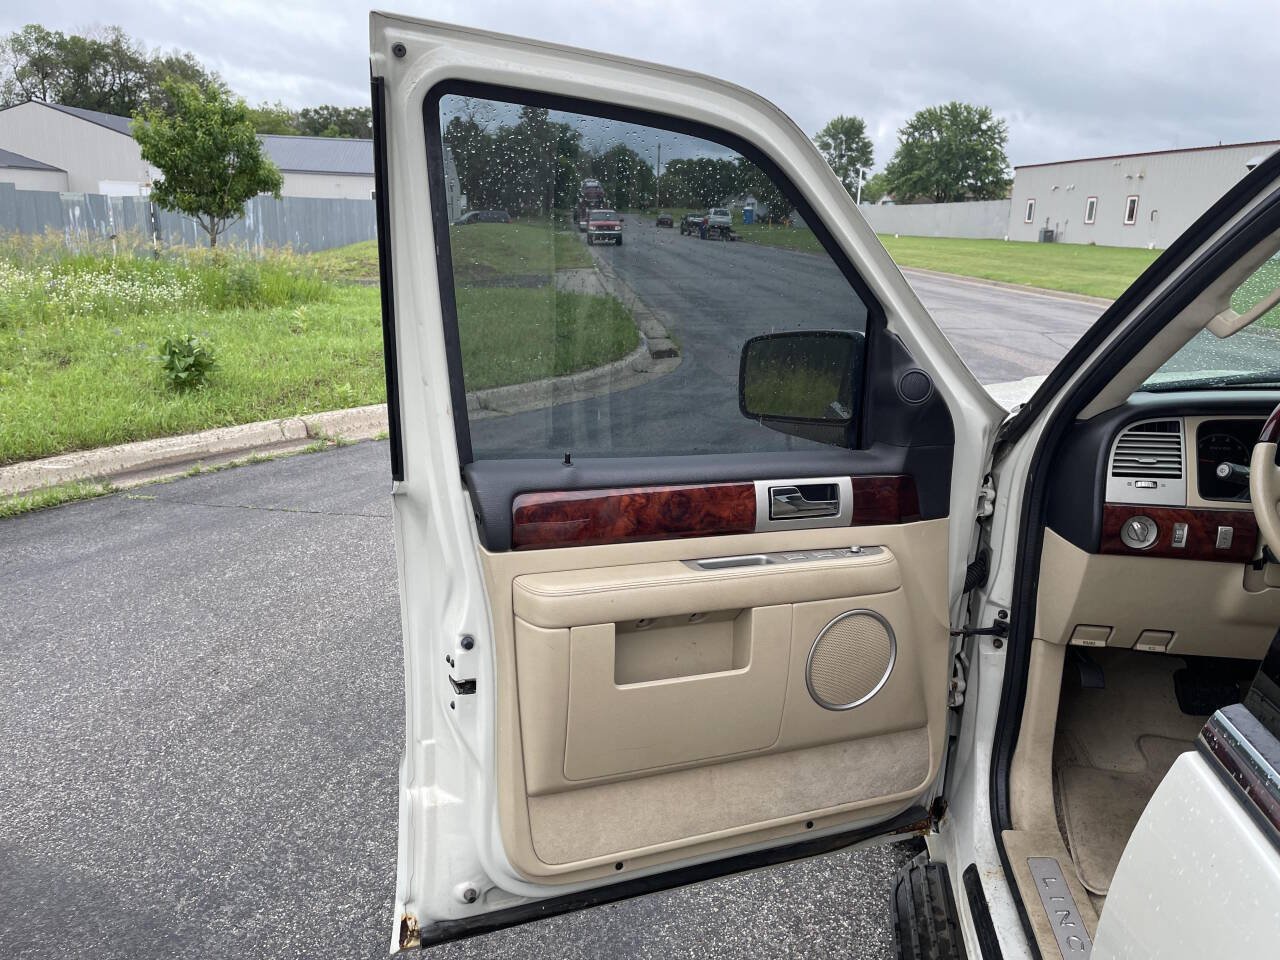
[[977, 219], [303, 223]]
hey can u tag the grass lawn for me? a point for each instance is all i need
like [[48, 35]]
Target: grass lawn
[[79, 335], [479, 250], [1072, 267], [81, 382]]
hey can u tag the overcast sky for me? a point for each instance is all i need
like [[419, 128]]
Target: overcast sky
[[1072, 78]]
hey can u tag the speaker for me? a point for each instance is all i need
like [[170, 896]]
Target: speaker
[[915, 386], [850, 660]]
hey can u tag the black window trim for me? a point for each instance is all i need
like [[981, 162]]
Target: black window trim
[[390, 353], [876, 322], [1029, 214]]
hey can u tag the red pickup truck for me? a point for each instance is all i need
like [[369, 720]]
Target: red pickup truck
[[604, 226]]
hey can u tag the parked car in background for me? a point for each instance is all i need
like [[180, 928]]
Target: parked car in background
[[719, 224], [664, 220], [604, 226], [485, 216]]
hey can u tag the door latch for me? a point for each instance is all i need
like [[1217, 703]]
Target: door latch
[[986, 498]]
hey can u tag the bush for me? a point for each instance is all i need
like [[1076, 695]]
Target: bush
[[186, 361]]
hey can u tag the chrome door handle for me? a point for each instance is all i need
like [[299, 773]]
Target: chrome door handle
[[790, 503]]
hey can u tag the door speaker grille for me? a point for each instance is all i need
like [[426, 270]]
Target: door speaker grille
[[850, 660]]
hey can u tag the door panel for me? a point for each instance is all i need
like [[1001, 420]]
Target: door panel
[[599, 699], [614, 749]]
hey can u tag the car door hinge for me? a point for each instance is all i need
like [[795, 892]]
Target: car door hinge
[[998, 629], [986, 499]]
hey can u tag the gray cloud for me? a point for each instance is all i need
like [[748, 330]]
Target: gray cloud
[[1092, 77]]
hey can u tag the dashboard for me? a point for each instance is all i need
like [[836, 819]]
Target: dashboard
[[1152, 542], [1178, 462]]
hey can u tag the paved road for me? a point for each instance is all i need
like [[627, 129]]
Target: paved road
[[712, 296], [199, 733], [203, 712]]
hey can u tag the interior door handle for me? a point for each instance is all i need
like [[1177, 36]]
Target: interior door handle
[[790, 502]]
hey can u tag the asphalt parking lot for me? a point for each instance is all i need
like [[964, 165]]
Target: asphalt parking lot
[[203, 716]]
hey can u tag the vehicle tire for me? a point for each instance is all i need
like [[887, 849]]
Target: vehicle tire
[[925, 923], [619, 241]]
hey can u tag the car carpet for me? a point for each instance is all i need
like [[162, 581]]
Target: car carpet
[[1113, 746]]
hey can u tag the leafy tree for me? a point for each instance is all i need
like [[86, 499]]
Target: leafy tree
[[846, 146], [627, 178], [101, 70], [706, 181], [209, 155], [951, 152], [874, 188], [333, 121], [273, 118]]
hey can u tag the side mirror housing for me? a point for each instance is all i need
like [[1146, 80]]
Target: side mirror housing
[[805, 383]]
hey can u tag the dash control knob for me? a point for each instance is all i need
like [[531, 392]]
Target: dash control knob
[[1139, 532]]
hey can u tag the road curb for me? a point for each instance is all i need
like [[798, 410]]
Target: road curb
[[1001, 284], [105, 463]]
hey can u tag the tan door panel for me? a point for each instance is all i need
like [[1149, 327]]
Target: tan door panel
[[661, 710], [621, 728], [569, 598]]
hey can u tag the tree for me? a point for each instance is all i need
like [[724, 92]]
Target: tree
[[208, 153], [948, 153], [846, 146], [103, 70], [874, 188], [333, 121], [273, 118]]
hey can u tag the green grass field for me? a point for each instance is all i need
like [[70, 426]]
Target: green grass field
[[479, 250], [1071, 267], [79, 334]]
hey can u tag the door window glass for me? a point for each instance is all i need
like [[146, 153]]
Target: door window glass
[[604, 299]]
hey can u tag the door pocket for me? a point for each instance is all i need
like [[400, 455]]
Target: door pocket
[[644, 698]]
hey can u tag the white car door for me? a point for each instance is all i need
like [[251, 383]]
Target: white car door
[[681, 528]]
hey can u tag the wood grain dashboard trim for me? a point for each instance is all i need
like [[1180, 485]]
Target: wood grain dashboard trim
[[1202, 532], [582, 518]]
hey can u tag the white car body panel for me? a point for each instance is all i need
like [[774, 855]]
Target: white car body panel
[[1198, 878]]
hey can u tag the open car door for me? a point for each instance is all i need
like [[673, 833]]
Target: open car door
[[681, 526]]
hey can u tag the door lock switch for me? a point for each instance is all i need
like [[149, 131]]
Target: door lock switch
[[1179, 535]]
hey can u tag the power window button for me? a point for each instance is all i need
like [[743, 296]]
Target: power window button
[[1225, 536], [1179, 535]]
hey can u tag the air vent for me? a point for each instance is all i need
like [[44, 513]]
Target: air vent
[[1148, 465], [1149, 450]]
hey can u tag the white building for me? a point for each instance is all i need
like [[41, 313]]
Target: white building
[[97, 153], [1127, 200], [27, 174]]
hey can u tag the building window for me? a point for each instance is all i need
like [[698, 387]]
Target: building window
[[1031, 211], [1130, 211], [1090, 209]]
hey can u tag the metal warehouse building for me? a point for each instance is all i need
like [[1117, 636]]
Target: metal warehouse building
[[1129, 200], [95, 153]]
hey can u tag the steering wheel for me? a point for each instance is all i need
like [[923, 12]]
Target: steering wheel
[[1264, 483]]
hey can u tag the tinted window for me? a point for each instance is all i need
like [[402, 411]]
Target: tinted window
[[630, 346]]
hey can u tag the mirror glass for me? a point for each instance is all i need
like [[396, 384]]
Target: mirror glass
[[801, 376]]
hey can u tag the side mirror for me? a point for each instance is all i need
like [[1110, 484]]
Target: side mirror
[[803, 383]]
